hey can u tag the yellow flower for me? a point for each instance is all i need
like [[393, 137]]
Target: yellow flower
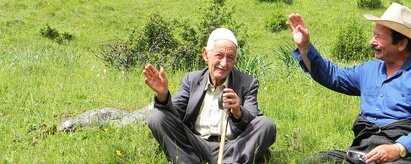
[[118, 153], [105, 130]]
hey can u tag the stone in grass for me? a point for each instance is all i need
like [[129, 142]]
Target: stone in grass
[[104, 116]]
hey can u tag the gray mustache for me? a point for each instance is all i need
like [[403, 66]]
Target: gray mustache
[[221, 67]]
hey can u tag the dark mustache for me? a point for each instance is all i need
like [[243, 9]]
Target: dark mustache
[[375, 48]]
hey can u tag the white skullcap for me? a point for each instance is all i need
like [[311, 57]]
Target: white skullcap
[[221, 34]]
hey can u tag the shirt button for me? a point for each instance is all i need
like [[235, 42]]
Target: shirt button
[[375, 119], [377, 109], [381, 95]]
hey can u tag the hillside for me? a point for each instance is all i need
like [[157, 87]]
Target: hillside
[[42, 83]]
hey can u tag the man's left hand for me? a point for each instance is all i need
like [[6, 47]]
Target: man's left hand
[[233, 102], [383, 154]]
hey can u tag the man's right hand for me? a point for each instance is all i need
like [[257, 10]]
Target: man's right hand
[[299, 31], [157, 81], [301, 37]]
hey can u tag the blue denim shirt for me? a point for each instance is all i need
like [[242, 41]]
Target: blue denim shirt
[[383, 100]]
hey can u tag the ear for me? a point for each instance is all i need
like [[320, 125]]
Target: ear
[[204, 54], [403, 45]]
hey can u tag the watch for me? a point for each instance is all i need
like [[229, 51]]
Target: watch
[[403, 151]]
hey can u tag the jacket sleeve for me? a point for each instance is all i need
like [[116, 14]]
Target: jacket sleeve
[[177, 104]]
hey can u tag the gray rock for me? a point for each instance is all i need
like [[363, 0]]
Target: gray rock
[[104, 116]]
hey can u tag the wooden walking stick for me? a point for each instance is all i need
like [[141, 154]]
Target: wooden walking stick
[[223, 130], [223, 133]]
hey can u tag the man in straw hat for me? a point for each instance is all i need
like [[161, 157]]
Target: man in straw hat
[[188, 125], [383, 128]]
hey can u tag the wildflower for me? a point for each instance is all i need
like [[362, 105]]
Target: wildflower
[[118, 153]]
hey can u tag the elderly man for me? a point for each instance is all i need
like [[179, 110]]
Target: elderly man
[[383, 128], [188, 126]]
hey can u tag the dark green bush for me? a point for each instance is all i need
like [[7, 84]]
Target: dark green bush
[[276, 22], [119, 54], [369, 4], [351, 45], [49, 32], [155, 45], [156, 42], [55, 35]]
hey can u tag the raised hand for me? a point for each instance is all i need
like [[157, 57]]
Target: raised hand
[[157, 81], [299, 31]]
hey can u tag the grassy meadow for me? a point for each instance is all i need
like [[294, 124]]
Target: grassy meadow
[[42, 83]]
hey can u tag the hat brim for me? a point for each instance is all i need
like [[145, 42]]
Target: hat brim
[[397, 26], [371, 17]]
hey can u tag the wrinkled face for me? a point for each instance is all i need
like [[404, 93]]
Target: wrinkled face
[[220, 59], [382, 43]]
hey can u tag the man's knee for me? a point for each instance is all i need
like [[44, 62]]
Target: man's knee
[[266, 126], [161, 119], [265, 123], [155, 118]]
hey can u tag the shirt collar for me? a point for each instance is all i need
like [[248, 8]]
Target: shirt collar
[[407, 64], [225, 84]]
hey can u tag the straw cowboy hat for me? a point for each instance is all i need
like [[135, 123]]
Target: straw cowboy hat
[[396, 17]]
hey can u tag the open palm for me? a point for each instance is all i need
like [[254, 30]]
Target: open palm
[[299, 31], [156, 80]]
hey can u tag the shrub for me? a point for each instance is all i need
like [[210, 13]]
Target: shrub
[[351, 43], [369, 4], [155, 45], [119, 54], [157, 42], [49, 32], [55, 35], [276, 22]]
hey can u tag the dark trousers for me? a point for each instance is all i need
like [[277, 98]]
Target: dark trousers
[[367, 136], [181, 145]]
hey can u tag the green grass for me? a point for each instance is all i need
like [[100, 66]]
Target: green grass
[[42, 83]]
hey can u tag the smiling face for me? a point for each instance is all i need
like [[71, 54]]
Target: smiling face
[[382, 43], [220, 58]]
